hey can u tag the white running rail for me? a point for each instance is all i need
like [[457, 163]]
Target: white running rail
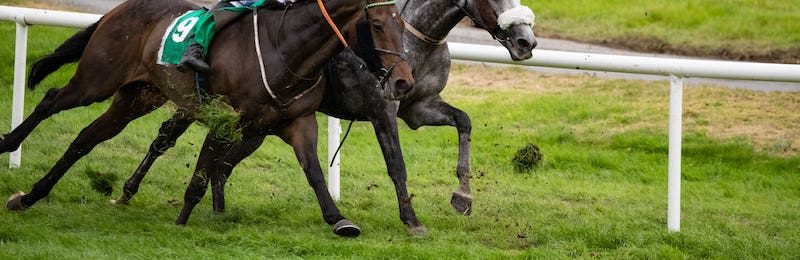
[[675, 69]]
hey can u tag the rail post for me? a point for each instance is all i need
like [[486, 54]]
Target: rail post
[[674, 167], [18, 103], [334, 132]]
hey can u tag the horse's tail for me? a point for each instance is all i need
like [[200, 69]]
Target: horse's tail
[[70, 51]]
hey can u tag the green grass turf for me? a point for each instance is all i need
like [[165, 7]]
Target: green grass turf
[[700, 27]]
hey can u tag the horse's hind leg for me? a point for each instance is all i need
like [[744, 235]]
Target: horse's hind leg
[[437, 112], [167, 135], [302, 136], [82, 90], [131, 102], [224, 168], [212, 152]]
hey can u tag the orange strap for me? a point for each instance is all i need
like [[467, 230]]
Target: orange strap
[[331, 23]]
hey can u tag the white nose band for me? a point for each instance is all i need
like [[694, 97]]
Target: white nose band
[[516, 15]]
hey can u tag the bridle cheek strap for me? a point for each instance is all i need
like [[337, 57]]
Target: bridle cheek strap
[[331, 23]]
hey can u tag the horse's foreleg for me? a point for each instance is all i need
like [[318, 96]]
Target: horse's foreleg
[[235, 155], [127, 106], [385, 124], [167, 135], [436, 113], [301, 134]]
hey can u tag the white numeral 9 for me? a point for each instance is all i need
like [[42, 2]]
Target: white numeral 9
[[184, 28]]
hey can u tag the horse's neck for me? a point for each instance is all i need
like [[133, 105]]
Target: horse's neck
[[433, 18], [306, 50]]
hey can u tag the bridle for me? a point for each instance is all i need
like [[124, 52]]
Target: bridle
[[385, 73], [497, 33]]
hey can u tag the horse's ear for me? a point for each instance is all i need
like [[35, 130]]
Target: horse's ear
[[487, 14]]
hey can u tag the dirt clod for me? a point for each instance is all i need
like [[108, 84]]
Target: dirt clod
[[101, 182], [526, 158]]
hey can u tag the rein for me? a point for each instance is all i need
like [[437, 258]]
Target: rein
[[422, 36], [331, 23]]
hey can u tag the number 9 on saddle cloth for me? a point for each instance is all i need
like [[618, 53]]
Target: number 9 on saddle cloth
[[186, 40]]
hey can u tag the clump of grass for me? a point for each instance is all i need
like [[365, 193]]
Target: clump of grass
[[220, 118], [101, 182], [526, 158]]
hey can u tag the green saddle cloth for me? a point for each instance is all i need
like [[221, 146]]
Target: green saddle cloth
[[195, 26]]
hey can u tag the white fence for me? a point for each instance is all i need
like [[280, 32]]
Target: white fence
[[675, 69]]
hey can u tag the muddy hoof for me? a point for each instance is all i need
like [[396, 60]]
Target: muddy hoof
[[14, 202], [462, 203], [345, 228], [418, 231]]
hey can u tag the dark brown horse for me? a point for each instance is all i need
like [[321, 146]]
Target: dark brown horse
[[351, 94], [129, 37]]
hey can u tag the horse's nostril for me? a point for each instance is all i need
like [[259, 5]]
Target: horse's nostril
[[525, 44], [402, 86]]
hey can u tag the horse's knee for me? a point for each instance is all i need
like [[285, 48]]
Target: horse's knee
[[463, 123]]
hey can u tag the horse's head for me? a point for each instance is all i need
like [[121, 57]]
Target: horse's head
[[386, 28], [509, 22]]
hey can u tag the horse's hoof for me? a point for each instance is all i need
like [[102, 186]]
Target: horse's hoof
[[118, 202], [14, 202], [418, 231], [462, 203], [345, 228], [121, 201]]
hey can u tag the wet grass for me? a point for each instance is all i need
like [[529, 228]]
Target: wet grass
[[743, 29], [599, 193]]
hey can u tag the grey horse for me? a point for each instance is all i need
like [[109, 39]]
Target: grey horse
[[351, 93], [428, 23]]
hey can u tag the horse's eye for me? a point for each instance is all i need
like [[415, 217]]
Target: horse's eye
[[377, 26]]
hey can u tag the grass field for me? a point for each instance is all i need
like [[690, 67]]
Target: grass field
[[731, 29], [600, 193]]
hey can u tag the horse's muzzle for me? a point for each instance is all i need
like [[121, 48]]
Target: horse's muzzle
[[400, 88], [520, 42]]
